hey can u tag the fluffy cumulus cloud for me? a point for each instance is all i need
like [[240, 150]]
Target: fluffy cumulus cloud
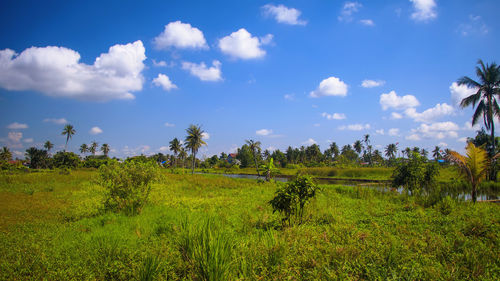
[[17, 126], [205, 136], [57, 72], [430, 114], [355, 127], [58, 121], [347, 11], [392, 100], [203, 72], [396, 116], [163, 81], [95, 131], [468, 126], [424, 10], [459, 92], [394, 132], [372, 83], [367, 22], [438, 130], [380, 132], [334, 116], [15, 137], [263, 132], [164, 149], [331, 86], [310, 141], [282, 14], [242, 45], [180, 35]]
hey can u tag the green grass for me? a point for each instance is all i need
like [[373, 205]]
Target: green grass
[[206, 227]]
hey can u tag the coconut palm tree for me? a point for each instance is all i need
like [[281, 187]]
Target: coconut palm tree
[[5, 154], [487, 92], [175, 147], [473, 165], [194, 140], [84, 149], [390, 150], [436, 153], [255, 147], [105, 149], [358, 146], [48, 145], [407, 151], [93, 147], [68, 131], [182, 155]]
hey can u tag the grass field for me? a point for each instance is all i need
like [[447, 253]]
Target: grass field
[[206, 227]]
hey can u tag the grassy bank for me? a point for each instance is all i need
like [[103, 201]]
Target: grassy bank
[[211, 227]]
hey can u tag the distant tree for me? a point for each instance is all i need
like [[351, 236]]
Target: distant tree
[[407, 151], [368, 152], [255, 147], [84, 149], [5, 154], [416, 149], [182, 156], [105, 149], [68, 131], [68, 160], [358, 146], [175, 147], [424, 153], [483, 139], [334, 149], [390, 150], [48, 146], [313, 153], [348, 153], [267, 154], [194, 140], [436, 153], [93, 147], [377, 157], [280, 157], [38, 158]]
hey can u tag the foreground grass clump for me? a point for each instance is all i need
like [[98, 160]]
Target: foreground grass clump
[[214, 228]]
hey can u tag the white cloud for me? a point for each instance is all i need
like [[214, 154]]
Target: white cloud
[[15, 137], [430, 114], [164, 149], [203, 72], [95, 131], [267, 39], [141, 149], [331, 86], [334, 116], [348, 10], [205, 136], [458, 93], [468, 126], [442, 144], [271, 148], [17, 126], [58, 121], [392, 100], [169, 124], [438, 130], [163, 81], [462, 140], [289, 97], [28, 140], [159, 63], [394, 132], [355, 127], [282, 14], [396, 116], [372, 83], [413, 137], [367, 22], [263, 132], [242, 45], [380, 132], [180, 35], [425, 10], [474, 26], [57, 72], [310, 141]]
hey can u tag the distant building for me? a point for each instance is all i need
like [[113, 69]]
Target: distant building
[[231, 157]]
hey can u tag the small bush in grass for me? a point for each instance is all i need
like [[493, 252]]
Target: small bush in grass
[[128, 185], [291, 198]]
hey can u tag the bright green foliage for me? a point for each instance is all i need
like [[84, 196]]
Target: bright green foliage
[[290, 199], [269, 169], [150, 268], [5, 154], [128, 185], [415, 175], [39, 158], [67, 160]]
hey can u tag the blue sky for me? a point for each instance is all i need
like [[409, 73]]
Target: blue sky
[[135, 74]]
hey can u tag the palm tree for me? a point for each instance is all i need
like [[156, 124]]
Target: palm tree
[[48, 145], [407, 151], [424, 153], [69, 131], [488, 90], [105, 149], [175, 146], [93, 147], [358, 146], [182, 155], [5, 154], [474, 165], [84, 149], [435, 153], [255, 147], [390, 150], [368, 147], [194, 140], [334, 149]]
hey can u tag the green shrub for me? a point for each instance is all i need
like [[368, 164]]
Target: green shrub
[[65, 160], [128, 185], [291, 198], [415, 175]]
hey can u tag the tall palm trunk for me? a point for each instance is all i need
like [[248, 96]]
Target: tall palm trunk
[[194, 157], [255, 160], [493, 170]]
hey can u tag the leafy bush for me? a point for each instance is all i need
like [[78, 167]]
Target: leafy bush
[[128, 185], [415, 175], [66, 160], [95, 162], [291, 198]]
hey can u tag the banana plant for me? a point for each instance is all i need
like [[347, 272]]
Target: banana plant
[[269, 169]]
